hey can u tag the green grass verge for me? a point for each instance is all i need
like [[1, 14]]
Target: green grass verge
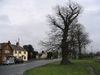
[[77, 68], [96, 65]]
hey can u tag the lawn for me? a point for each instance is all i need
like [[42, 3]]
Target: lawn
[[77, 68]]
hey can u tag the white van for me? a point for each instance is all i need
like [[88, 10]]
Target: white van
[[9, 60]]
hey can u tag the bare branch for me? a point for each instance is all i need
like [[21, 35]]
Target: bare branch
[[54, 22], [75, 15], [60, 14]]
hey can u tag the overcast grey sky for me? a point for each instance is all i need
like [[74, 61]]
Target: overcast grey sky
[[26, 19]]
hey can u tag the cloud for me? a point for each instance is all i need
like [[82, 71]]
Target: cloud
[[26, 19]]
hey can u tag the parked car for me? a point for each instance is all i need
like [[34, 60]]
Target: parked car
[[17, 61], [9, 60]]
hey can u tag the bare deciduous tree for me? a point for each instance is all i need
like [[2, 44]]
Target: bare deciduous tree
[[82, 38], [61, 22], [65, 16], [78, 38]]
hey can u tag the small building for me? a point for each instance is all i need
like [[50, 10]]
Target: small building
[[19, 52], [5, 51], [44, 55], [11, 50]]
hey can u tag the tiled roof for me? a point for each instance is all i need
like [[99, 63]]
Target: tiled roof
[[2, 45], [15, 47]]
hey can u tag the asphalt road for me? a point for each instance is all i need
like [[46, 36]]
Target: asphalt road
[[18, 69]]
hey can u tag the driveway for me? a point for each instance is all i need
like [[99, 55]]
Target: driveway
[[18, 69]]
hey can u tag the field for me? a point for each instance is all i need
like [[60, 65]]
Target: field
[[78, 67]]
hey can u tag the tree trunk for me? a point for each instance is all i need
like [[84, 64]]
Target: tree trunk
[[65, 59], [65, 52], [80, 53], [64, 46]]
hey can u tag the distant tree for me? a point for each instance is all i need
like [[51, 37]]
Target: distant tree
[[49, 55], [31, 53], [78, 38], [30, 47], [97, 53], [34, 54], [91, 54], [55, 54]]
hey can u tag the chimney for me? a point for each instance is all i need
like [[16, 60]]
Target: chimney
[[9, 42], [17, 43]]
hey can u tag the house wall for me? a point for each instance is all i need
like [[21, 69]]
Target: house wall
[[21, 54], [44, 56], [6, 51]]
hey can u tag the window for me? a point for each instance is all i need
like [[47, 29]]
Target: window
[[7, 51], [24, 52], [24, 57]]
